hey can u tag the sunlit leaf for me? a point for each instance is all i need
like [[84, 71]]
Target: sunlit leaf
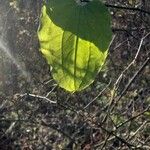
[[70, 51]]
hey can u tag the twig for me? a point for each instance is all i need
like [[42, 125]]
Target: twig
[[98, 145], [105, 142], [135, 133], [9, 130], [133, 61], [113, 103], [133, 78], [128, 8], [122, 7], [37, 96], [50, 91], [118, 137], [101, 92], [132, 118], [128, 29], [116, 85]]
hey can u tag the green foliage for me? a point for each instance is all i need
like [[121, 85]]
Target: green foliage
[[74, 39]]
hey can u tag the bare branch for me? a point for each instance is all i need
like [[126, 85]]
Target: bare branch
[[37, 96], [134, 117], [101, 92], [128, 8]]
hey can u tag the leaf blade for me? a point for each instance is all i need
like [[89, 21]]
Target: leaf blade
[[75, 61]]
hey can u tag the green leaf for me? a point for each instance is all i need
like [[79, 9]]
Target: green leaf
[[71, 51], [90, 22]]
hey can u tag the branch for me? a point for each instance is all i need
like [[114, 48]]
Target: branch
[[114, 29], [133, 61], [116, 85], [133, 78], [101, 92], [134, 117], [128, 8], [122, 7], [37, 96], [118, 137], [140, 128]]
